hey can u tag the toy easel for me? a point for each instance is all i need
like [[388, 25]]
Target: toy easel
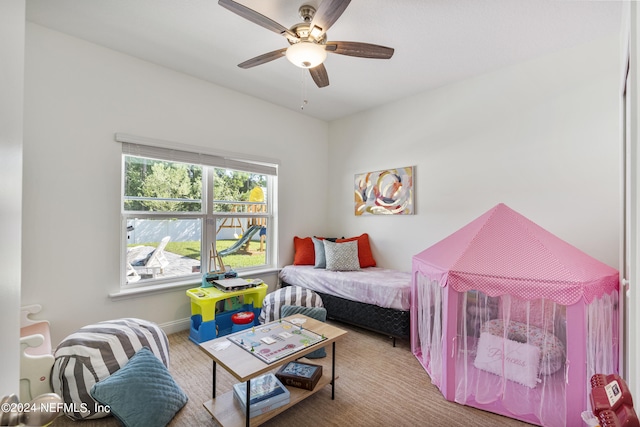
[[216, 266], [218, 271]]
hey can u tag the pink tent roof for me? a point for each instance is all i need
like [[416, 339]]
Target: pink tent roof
[[502, 252]]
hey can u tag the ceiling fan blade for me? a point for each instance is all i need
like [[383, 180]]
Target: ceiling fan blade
[[327, 14], [319, 75], [362, 50], [257, 18], [261, 59]]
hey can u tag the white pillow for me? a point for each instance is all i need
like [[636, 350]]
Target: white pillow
[[341, 256], [513, 360]]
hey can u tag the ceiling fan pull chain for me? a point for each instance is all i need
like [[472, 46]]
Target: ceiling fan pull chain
[[303, 89]]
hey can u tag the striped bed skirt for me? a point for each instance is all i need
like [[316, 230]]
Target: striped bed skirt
[[95, 352]]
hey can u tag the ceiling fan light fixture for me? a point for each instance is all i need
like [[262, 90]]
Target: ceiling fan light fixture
[[306, 54]]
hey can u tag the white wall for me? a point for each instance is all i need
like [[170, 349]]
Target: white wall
[[11, 120], [77, 96], [541, 137]]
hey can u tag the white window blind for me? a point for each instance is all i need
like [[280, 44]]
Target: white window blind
[[171, 151]]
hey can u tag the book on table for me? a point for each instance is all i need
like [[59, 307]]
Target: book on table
[[267, 393], [301, 375]]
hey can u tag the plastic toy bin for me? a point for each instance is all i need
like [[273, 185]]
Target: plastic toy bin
[[205, 324]]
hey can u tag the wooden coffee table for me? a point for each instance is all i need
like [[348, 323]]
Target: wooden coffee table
[[244, 366]]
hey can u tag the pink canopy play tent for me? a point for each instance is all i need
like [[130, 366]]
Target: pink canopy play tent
[[509, 318]]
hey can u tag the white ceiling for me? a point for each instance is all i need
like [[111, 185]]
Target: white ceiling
[[436, 42]]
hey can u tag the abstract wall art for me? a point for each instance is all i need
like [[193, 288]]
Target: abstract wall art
[[385, 192]]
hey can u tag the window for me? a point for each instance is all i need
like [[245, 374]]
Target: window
[[178, 206]]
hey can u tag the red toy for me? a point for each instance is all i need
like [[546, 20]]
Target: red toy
[[612, 402], [243, 318]]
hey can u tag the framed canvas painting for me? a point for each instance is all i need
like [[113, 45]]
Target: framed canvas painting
[[384, 192]]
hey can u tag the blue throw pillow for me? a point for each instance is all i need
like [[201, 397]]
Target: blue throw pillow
[[142, 393], [318, 313], [318, 246]]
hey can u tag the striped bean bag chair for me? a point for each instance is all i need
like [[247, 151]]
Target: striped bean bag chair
[[290, 295], [95, 352]]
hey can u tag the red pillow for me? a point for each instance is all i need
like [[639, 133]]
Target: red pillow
[[364, 250], [304, 252]]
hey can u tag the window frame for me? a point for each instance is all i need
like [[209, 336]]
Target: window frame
[[209, 161]]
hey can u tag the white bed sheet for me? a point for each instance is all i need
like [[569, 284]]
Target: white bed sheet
[[373, 285]]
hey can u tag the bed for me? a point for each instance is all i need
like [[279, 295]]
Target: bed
[[373, 298]]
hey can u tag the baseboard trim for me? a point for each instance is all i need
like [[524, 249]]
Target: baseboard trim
[[176, 326]]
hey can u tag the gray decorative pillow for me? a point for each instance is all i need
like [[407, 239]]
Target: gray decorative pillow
[[341, 256], [321, 260]]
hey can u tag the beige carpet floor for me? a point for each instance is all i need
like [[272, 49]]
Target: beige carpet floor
[[378, 385]]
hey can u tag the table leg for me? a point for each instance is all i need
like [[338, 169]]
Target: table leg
[[248, 405], [213, 387], [333, 371]]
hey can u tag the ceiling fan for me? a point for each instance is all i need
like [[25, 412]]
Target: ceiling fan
[[308, 39]]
